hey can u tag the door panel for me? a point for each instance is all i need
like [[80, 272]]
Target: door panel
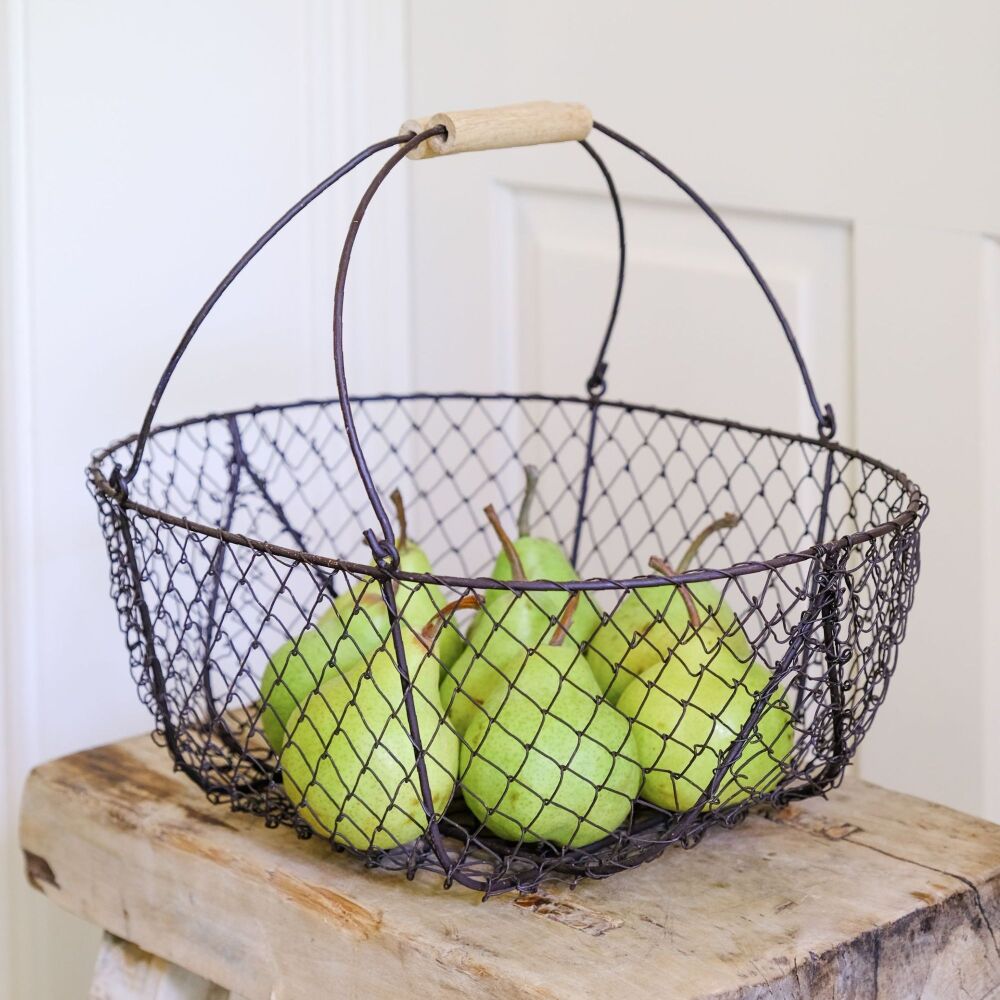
[[690, 306]]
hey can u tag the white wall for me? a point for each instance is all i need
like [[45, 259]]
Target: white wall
[[149, 146]]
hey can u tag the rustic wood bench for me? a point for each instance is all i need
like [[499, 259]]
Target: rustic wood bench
[[869, 893]]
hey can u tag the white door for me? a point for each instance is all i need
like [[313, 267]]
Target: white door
[[853, 149]]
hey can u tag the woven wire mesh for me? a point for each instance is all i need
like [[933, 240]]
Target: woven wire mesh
[[590, 724]]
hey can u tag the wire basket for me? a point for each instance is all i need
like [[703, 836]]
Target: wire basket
[[525, 695]]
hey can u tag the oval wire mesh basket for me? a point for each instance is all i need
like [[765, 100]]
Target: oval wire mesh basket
[[505, 706]]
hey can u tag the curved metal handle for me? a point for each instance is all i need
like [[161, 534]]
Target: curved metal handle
[[123, 479], [384, 549]]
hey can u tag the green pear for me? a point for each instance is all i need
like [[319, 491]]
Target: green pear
[[348, 634], [418, 602], [511, 624], [349, 764], [686, 712], [547, 759], [650, 621]]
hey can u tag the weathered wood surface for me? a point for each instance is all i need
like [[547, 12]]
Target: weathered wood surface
[[868, 894]]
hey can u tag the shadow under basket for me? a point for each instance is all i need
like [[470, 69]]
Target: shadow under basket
[[305, 662]]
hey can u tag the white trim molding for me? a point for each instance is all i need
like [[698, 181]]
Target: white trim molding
[[990, 456], [356, 81], [18, 617]]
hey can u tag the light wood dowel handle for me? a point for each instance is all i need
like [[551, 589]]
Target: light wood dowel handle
[[527, 124]]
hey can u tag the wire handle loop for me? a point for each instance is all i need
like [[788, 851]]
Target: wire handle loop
[[384, 549]]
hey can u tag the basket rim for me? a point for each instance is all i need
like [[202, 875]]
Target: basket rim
[[915, 509]]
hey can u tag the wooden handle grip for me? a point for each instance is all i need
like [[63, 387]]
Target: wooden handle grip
[[527, 124]]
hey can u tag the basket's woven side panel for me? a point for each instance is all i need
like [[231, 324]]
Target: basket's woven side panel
[[658, 479], [881, 596], [546, 734], [123, 593]]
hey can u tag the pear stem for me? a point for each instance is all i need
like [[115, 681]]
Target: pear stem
[[397, 499], [513, 556], [726, 521], [437, 621], [665, 569], [565, 620], [530, 488]]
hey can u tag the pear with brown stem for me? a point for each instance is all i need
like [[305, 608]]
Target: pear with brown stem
[[349, 764], [418, 602], [512, 622], [650, 621], [349, 633], [689, 708], [547, 759]]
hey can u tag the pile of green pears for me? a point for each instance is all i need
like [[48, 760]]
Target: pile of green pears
[[686, 676], [348, 634], [333, 709], [551, 718]]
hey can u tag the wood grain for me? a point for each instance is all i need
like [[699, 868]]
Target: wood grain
[[423, 151], [527, 124], [869, 893]]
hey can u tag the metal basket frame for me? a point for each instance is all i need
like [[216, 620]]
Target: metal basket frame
[[520, 867]]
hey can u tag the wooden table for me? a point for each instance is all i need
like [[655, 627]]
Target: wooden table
[[868, 894]]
